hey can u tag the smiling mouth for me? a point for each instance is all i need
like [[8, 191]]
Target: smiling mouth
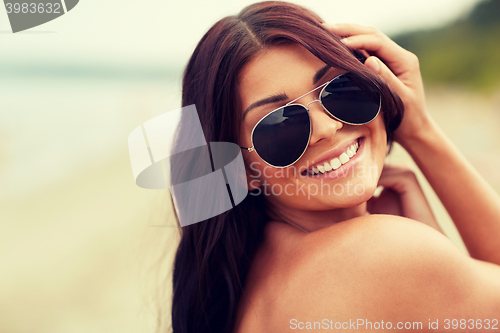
[[334, 163]]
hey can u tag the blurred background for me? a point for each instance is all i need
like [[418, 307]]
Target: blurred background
[[82, 248]]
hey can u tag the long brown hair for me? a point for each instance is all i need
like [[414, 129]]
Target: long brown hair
[[214, 256]]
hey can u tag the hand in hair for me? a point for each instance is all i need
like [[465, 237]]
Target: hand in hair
[[399, 68]]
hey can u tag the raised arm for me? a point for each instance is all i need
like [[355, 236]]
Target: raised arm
[[472, 204]]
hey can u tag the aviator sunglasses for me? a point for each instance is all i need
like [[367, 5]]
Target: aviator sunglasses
[[281, 137]]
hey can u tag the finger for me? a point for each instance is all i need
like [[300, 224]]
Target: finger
[[398, 182], [398, 168], [372, 40], [392, 80], [403, 171], [391, 182], [378, 191], [349, 29], [391, 53], [363, 52]]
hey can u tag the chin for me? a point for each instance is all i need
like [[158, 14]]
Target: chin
[[346, 196]]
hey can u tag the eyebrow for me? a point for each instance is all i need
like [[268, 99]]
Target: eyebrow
[[319, 74], [283, 97]]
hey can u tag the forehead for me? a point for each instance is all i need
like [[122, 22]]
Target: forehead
[[278, 69], [275, 59]]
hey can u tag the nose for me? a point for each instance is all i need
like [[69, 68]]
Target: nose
[[323, 125]]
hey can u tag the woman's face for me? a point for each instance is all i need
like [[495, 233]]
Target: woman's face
[[289, 71]]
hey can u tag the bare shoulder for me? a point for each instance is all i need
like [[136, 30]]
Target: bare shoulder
[[384, 266], [371, 268]]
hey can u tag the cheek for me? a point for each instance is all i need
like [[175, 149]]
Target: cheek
[[378, 142], [378, 132], [262, 175]]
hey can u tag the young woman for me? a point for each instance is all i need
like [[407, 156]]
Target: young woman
[[310, 248]]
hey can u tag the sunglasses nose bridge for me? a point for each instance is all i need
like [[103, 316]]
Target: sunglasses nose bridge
[[316, 100], [320, 104]]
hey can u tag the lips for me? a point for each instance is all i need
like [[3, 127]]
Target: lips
[[333, 163]]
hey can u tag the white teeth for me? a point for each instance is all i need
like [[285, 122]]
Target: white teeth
[[336, 162], [343, 158]]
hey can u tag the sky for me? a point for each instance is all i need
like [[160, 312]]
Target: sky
[[157, 32]]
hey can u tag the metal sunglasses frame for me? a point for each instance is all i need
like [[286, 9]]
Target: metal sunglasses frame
[[306, 107]]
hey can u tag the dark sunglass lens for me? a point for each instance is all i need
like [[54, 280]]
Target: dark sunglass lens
[[282, 136], [352, 99]]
